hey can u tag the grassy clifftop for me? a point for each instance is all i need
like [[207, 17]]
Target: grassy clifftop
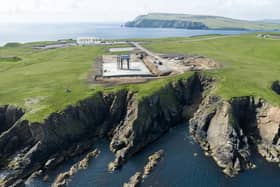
[[199, 22], [46, 81], [250, 64], [39, 81]]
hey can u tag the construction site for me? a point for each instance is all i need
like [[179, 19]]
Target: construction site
[[137, 64]]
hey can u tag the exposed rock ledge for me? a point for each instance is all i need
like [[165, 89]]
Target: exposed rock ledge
[[228, 130], [63, 178], [134, 181], [138, 177], [147, 120]]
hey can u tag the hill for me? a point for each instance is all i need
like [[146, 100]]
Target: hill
[[272, 21], [187, 21]]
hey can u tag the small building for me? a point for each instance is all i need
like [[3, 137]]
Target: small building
[[82, 41]]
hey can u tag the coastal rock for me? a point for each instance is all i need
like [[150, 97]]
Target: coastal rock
[[153, 161], [218, 130], [268, 123], [63, 178], [39, 142], [134, 181], [53, 162], [18, 183], [8, 116], [130, 123], [146, 120], [227, 130]]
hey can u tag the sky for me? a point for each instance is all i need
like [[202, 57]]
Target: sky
[[126, 10]]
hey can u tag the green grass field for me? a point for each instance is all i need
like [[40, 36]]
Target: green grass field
[[250, 64], [38, 82]]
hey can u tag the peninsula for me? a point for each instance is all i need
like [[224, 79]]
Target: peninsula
[[187, 21]]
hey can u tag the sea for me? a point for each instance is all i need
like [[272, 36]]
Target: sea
[[184, 163], [30, 32]]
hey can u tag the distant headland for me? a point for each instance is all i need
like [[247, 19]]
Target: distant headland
[[201, 22]]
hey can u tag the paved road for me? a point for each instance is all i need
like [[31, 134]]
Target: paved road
[[164, 67], [137, 45], [170, 66], [210, 38]]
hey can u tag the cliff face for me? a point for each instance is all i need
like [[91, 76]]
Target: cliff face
[[188, 21], [30, 147], [221, 129], [8, 116], [149, 23], [129, 123], [230, 130], [227, 130], [268, 123], [147, 120]]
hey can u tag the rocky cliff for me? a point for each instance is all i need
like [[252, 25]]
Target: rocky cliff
[[231, 131], [220, 127], [26, 148], [178, 24], [8, 116], [130, 123], [148, 119], [227, 130], [188, 21]]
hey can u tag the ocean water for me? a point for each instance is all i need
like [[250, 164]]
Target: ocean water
[[27, 32], [179, 168]]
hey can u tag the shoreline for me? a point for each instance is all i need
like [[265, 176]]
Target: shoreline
[[100, 30]]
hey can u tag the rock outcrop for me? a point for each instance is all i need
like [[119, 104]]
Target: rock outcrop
[[134, 181], [230, 130], [30, 147], [130, 123], [222, 129], [153, 161], [269, 129], [138, 177], [63, 178], [276, 87], [148, 119], [8, 116]]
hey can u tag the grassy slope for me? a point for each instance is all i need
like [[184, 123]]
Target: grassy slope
[[44, 76], [38, 82], [250, 66], [215, 22], [250, 63]]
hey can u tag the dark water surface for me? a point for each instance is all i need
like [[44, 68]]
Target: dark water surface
[[178, 168], [27, 32]]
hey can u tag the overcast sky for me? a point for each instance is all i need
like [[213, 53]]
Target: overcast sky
[[124, 10]]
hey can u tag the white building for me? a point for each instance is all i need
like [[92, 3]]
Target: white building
[[89, 41]]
